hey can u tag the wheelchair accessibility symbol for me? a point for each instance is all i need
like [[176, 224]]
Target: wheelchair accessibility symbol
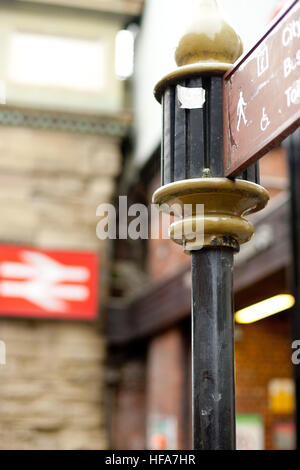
[[265, 121]]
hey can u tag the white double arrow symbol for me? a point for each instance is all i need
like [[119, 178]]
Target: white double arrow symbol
[[43, 275]]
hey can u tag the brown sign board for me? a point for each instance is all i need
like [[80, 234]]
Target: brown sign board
[[262, 94]]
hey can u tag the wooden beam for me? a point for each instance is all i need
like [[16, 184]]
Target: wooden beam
[[271, 258], [161, 307]]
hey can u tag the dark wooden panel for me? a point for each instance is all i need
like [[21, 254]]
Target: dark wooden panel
[[277, 256], [250, 174], [257, 173], [293, 146], [215, 125], [196, 136], [162, 149], [258, 290], [163, 305], [168, 135], [180, 145]]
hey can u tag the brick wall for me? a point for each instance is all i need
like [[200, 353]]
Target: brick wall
[[166, 386], [129, 422], [263, 352]]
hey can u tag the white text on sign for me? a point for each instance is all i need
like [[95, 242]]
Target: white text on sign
[[293, 94]]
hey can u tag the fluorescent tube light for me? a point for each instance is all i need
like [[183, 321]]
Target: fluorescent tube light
[[264, 309]]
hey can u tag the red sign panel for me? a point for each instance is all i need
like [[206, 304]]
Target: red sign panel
[[262, 94], [48, 284]]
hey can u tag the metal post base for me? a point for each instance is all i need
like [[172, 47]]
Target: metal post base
[[213, 349]]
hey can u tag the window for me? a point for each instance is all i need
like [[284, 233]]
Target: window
[[124, 54], [52, 61]]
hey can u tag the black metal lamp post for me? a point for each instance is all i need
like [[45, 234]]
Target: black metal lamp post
[[192, 175]]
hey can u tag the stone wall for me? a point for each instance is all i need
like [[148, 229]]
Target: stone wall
[[52, 386]]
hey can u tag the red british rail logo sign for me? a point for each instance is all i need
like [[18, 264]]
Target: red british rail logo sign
[[262, 94], [48, 284]]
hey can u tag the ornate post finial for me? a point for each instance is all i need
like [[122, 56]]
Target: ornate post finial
[[192, 145], [209, 38]]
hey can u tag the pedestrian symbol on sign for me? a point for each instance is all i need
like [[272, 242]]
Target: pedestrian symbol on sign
[[241, 110]]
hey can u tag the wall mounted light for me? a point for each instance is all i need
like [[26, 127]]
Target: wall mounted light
[[124, 54], [264, 309]]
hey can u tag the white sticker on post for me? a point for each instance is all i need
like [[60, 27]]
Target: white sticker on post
[[190, 98]]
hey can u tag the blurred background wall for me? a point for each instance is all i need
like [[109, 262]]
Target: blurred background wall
[[62, 119]]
